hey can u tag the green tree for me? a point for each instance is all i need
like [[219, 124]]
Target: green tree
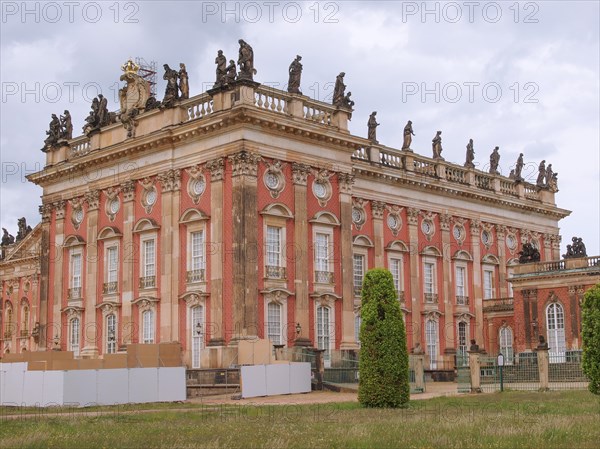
[[591, 337], [383, 363]]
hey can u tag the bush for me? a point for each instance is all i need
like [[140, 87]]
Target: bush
[[383, 362], [590, 323]]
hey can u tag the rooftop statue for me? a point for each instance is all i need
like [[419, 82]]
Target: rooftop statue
[[494, 161], [348, 103], [98, 116], [577, 249], [436, 145], [221, 70], [295, 72], [529, 254], [519, 168], [408, 133], [7, 239], [231, 72], [246, 61], [53, 133], [134, 97], [184, 86], [66, 126], [372, 125], [172, 90], [470, 155], [339, 90], [541, 174], [23, 229]]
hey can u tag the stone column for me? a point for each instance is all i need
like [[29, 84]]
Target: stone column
[[128, 252], [45, 338], [345, 182], [57, 285], [216, 327], [91, 338], [169, 255], [548, 250], [556, 239], [543, 367], [475, 368], [447, 290], [415, 284], [301, 243], [245, 247], [377, 208], [477, 285]]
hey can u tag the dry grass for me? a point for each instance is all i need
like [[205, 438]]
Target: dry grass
[[568, 419]]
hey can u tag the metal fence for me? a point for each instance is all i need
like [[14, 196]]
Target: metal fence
[[565, 372]]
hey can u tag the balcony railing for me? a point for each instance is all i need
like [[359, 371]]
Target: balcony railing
[[323, 277], [74, 293], [498, 304], [110, 287], [462, 300], [148, 282], [7, 334], [24, 333], [196, 276], [431, 298], [275, 272]]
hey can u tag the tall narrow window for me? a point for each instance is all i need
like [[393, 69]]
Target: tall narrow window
[[509, 274], [463, 338], [74, 336], [488, 284], [25, 325], [111, 334], [274, 323], [432, 342], [429, 286], [273, 246], [197, 250], [555, 323], [323, 333], [396, 270], [149, 258], [359, 272], [460, 281], [506, 345], [112, 270], [197, 328], [357, 322], [148, 326], [322, 252], [75, 290]]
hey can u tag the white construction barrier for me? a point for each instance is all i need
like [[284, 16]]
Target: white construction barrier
[[271, 380], [80, 388]]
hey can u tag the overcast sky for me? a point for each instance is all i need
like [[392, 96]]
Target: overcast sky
[[523, 76]]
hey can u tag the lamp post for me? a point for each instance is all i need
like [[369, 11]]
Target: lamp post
[[500, 363]]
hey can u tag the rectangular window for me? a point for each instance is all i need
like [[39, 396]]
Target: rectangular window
[[357, 322], [396, 270], [76, 270], [432, 342], [429, 278], [509, 274], [74, 337], [112, 264], [273, 246], [111, 334], [148, 326], [274, 323], [488, 284], [149, 258], [460, 281], [197, 250], [322, 252], [323, 334], [359, 272]]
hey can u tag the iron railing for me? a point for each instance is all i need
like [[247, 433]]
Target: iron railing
[[110, 287], [323, 277], [275, 272], [462, 300], [74, 293], [195, 276], [147, 282]]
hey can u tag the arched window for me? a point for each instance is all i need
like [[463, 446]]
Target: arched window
[[148, 326], [555, 324], [74, 336], [197, 329], [274, 323], [432, 342], [506, 345], [324, 333], [111, 334], [25, 319], [9, 322]]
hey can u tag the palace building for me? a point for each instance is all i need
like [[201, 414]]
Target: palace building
[[249, 212]]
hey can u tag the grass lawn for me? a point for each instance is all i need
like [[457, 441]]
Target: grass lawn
[[568, 419]]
